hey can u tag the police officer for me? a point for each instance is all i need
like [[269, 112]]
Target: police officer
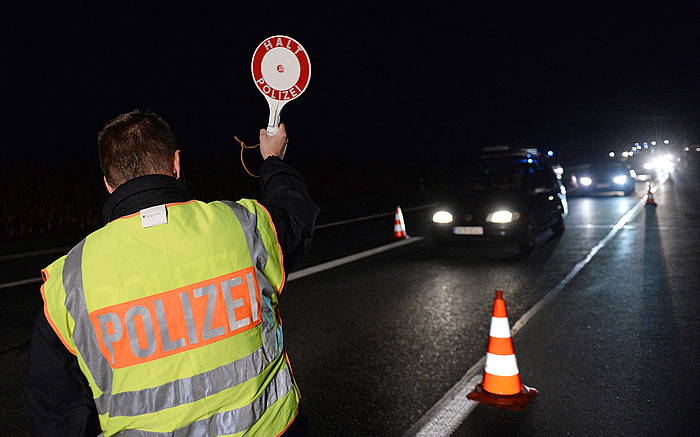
[[165, 321]]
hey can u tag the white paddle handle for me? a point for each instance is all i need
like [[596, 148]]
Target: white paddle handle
[[274, 121]]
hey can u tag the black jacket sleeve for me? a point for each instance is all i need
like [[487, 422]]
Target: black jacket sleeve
[[59, 400], [286, 196]]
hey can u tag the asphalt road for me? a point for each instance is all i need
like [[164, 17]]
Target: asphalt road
[[618, 351], [377, 342]]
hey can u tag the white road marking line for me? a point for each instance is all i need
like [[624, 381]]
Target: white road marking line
[[294, 275], [449, 412], [350, 258], [18, 283], [597, 226], [36, 253], [369, 217], [327, 225]]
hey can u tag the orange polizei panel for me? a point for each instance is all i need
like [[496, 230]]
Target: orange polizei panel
[[174, 321]]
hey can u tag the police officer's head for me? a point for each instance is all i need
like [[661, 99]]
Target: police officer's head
[[137, 144]]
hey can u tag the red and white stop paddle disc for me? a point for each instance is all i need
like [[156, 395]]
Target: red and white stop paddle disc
[[281, 71]]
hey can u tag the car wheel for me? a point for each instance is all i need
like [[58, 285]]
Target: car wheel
[[527, 243], [559, 227]]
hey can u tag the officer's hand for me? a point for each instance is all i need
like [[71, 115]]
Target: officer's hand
[[273, 145]]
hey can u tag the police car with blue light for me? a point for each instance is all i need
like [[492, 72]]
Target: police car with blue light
[[508, 196]]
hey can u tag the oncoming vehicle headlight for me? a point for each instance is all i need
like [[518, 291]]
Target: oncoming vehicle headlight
[[585, 181], [620, 180], [503, 216], [442, 217]]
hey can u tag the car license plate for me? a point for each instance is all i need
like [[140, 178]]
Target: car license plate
[[602, 186], [468, 230]]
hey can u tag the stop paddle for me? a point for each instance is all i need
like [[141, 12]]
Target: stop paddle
[[281, 71]]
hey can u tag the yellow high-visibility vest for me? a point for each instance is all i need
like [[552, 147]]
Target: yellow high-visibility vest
[[175, 326]]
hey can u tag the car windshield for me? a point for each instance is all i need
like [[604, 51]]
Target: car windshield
[[599, 169], [610, 166], [506, 178]]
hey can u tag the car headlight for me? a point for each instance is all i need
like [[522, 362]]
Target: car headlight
[[442, 217], [620, 180], [585, 181], [502, 216]]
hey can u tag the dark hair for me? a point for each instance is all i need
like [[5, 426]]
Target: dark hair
[[135, 144]]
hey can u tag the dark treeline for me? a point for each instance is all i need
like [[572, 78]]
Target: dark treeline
[[48, 198], [42, 198]]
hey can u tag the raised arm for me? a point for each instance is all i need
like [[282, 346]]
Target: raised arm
[[286, 196]]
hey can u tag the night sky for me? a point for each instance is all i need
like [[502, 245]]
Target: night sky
[[389, 85]]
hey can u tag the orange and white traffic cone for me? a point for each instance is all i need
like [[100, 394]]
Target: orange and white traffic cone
[[650, 197], [399, 225], [501, 385]]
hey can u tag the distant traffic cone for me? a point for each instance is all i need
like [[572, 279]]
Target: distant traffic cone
[[399, 225], [650, 198], [501, 385]]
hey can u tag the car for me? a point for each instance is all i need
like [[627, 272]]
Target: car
[[600, 177], [510, 195], [642, 168]]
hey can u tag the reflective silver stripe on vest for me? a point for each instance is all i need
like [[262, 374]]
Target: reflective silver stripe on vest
[[84, 334], [272, 335], [232, 421], [185, 390], [249, 224]]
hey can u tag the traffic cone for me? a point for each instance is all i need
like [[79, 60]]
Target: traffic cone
[[399, 225], [501, 384], [650, 198]]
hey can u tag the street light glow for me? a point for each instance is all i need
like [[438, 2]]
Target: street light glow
[[653, 143], [667, 141], [611, 154]]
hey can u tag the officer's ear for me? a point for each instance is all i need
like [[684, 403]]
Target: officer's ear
[[176, 164], [110, 190]]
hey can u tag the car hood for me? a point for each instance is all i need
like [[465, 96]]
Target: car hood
[[480, 204]]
